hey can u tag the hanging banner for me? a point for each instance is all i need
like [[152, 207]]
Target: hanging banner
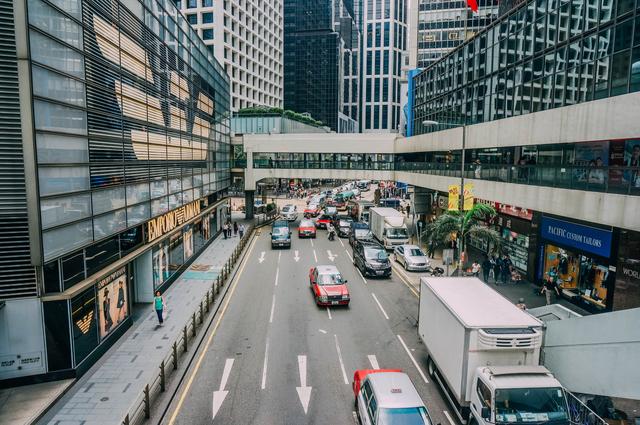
[[468, 196], [454, 196]]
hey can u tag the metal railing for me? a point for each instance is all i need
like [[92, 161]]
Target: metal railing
[[142, 405], [580, 413]]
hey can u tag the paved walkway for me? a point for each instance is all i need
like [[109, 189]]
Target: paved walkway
[[22, 405], [107, 391]]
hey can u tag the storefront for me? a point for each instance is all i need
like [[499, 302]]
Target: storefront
[[627, 293], [581, 256]]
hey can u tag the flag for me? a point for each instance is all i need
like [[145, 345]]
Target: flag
[[473, 4]]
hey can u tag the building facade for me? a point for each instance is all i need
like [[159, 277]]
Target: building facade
[[443, 25], [322, 62], [384, 41], [246, 36], [120, 161]]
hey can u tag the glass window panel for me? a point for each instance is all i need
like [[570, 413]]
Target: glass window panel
[[109, 224], [101, 254], [620, 73], [624, 33], [137, 193], [175, 200], [635, 70], [54, 23], [602, 78], [72, 269], [108, 199], [54, 180], [625, 6], [54, 212], [65, 239], [49, 52], [72, 7], [138, 213], [159, 206], [158, 188], [55, 148], [85, 329], [130, 239], [174, 185], [59, 118], [55, 86]]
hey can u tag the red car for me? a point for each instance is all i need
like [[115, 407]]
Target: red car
[[323, 221], [306, 229], [312, 210], [328, 286]]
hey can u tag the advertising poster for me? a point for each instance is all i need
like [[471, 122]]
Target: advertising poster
[[188, 243], [160, 264], [468, 196], [591, 155], [112, 302], [206, 228], [632, 159], [454, 196]]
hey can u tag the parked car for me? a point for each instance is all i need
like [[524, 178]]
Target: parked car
[[411, 257], [359, 231], [328, 286], [306, 229], [387, 396], [290, 212], [371, 258], [280, 234]]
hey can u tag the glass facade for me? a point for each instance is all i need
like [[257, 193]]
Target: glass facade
[[542, 55], [345, 161], [131, 114]]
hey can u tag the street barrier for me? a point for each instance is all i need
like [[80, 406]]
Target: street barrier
[[141, 408]]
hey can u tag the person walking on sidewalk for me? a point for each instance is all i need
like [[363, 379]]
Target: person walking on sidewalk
[[548, 287], [475, 269], [241, 230], [158, 304], [486, 267], [224, 230], [496, 269], [235, 228]]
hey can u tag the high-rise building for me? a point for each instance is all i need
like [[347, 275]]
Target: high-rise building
[[322, 62], [246, 37], [384, 40], [115, 164], [444, 25]]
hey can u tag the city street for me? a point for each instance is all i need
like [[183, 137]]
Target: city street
[[277, 358]]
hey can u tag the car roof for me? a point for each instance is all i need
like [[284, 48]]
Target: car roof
[[359, 225], [306, 221], [327, 269], [281, 223], [369, 243], [394, 389], [409, 246]]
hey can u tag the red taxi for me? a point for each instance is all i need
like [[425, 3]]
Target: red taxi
[[328, 286], [312, 210], [306, 229]]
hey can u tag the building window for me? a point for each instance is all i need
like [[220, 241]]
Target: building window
[[192, 4], [207, 3], [207, 18], [207, 34], [193, 19]]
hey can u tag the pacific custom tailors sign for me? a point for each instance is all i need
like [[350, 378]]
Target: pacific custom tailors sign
[[590, 239], [169, 221]]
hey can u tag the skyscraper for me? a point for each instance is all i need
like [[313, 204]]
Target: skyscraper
[[321, 61], [384, 39], [246, 37]]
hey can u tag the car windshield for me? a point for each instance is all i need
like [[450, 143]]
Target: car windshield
[[280, 231], [415, 252], [518, 405], [330, 279], [288, 208], [306, 223], [375, 254], [345, 223], [363, 233], [403, 416], [397, 233]]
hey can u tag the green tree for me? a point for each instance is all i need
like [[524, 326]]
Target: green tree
[[462, 225]]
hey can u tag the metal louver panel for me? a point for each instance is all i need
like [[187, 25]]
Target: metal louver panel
[[17, 275]]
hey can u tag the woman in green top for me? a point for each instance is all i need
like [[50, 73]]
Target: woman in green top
[[158, 303]]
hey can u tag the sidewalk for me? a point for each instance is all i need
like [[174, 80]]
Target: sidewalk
[[106, 392]]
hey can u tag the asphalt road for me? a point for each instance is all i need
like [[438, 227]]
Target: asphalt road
[[274, 357]]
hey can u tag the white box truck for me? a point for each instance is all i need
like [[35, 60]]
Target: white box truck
[[484, 352], [387, 225]]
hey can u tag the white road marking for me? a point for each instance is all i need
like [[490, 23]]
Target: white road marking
[[329, 312], [360, 273], [331, 255], [296, 257], [344, 373], [277, 274], [219, 396], [373, 361], [273, 306], [384, 313], [311, 240], [261, 259], [340, 240], [322, 330], [279, 255], [315, 256], [264, 366], [413, 360], [304, 392], [449, 418], [349, 255]]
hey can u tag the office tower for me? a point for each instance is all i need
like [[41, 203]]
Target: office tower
[[321, 62], [246, 37]]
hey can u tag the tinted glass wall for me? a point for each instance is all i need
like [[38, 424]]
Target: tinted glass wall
[[131, 117], [543, 55]]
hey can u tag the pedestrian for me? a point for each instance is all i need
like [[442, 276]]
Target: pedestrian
[[224, 230], [505, 272], [548, 287], [235, 228], [496, 269], [241, 230], [486, 268], [475, 269], [431, 249], [159, 305], [521, 305]]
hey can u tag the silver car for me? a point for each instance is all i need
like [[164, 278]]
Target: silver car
[[290, 212], [411, 257]]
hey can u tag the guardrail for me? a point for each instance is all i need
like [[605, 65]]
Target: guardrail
[[141, 409]]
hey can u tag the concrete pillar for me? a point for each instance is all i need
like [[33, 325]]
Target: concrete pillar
[[248, 204]]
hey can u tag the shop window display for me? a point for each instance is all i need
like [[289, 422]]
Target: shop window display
[[85, 331], [112, 302], [188, 242], [176, 253], [160, 264]]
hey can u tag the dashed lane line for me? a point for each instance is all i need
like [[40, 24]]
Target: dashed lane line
[[264, 366], [329, 313], [374, 361], [273, 307], [384, 313], [315, 256], [413, 360], [344, 372]]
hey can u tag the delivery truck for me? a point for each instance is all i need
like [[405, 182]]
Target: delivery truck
[[484, 352], [387, 225]]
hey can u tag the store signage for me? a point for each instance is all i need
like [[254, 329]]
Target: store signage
[[15, 362], [589, 239], [508, 209], [169, 221]]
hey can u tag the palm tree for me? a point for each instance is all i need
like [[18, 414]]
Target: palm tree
[[462, 225]]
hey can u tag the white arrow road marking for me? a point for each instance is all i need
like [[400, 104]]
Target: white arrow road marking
[[315, 256], [330, 255], [304, 392], [273, 306], [384, 313], [344, 373], [264, 366], [413, 360], [374, 361], [219, 396], [323, 331], [261, 259], [296, 256]]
